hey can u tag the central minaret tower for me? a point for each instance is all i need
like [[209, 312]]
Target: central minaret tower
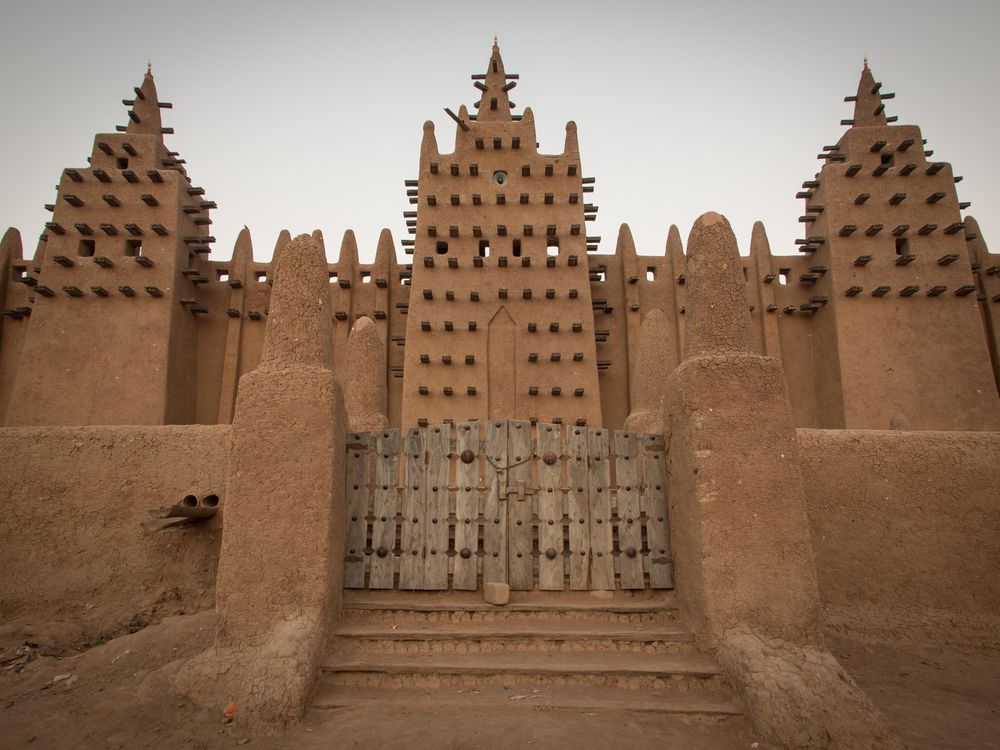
[[500, 319]]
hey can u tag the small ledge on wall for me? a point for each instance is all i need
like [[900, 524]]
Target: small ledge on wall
[[189, 511]]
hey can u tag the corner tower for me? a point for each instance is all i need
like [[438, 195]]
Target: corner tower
[[500, 322], [899, 338], [113, 310]]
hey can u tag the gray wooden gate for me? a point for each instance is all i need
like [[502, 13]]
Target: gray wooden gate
[[544, 506]]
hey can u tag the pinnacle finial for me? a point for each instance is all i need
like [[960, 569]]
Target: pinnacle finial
[[866, 62], [495, 42], [149, 67]]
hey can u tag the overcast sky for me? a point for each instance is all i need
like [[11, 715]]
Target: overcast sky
[[305, 115]]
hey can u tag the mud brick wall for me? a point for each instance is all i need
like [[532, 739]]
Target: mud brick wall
[[906, 530], [71, 503]]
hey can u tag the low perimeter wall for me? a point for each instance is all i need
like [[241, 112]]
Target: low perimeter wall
[[906, 529], [71, 503]]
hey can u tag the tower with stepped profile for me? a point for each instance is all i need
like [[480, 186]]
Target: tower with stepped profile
[[898, 329], [500, 319], [111, 337]]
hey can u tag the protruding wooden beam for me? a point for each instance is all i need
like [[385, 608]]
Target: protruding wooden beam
[[461, 123]]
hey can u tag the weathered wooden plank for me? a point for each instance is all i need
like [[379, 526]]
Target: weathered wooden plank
[[356, 473], [627, 474], [464, 576], [411, 568], [654, 505], [551, 561], [602, 570], [384, 509], [578, 507], [495, 503], [437, 447], [520, 491]]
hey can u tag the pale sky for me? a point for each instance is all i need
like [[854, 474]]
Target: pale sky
[[305, 115]]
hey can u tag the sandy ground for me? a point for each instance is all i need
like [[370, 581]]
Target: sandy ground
[[937, 698], [70, 693]]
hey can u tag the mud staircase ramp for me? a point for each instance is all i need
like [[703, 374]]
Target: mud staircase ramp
[[562, 650]]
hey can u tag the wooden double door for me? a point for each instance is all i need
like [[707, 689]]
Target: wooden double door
[[536, 505]]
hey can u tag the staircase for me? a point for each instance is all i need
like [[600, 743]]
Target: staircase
[[567, 650]]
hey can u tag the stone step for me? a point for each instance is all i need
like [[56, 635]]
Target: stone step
[[609, 700], [402, 608], [624, 670], [542, 635]]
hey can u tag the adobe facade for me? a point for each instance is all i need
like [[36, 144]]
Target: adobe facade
[[884, 319], [819, 431]]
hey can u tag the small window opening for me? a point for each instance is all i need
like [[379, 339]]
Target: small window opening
[[783, 274], [651, 273], [261, 276], [598, 275], [122, 163], [333, 277], [86, 248], [517, 248], [404, 279], [902, 246], [484, 248], [746, 276], [442, 248], [223, 275], [366, 277], [133, 248], [887, 158], [552, 247]]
